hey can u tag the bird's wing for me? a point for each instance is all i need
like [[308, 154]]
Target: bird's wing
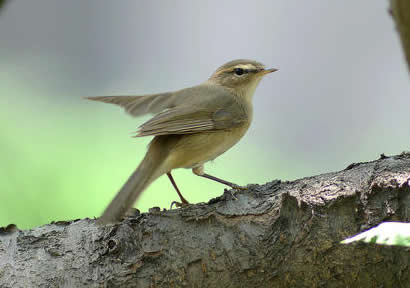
[[155, 103], [189, 120], [139, 105], [200, 108]]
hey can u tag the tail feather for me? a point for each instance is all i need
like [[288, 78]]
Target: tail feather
[[149, 170]]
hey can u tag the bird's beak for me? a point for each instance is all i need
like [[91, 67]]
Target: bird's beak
[[267, 71]]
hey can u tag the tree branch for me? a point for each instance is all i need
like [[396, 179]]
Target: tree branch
[[281, 234]]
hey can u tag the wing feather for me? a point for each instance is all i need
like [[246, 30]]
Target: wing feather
[[185, 111], [139, 105], [189, 120]]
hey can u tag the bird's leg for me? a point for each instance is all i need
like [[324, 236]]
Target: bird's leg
[[184, 202], [200, 172]]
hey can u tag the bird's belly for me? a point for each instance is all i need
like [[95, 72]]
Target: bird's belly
[[194, 150]]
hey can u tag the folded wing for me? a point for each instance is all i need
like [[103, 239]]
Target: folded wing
[[189, 120]]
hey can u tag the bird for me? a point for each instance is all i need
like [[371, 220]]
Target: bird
[[190, 126]]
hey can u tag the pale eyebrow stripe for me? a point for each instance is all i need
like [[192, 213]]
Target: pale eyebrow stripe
[[248, 67]]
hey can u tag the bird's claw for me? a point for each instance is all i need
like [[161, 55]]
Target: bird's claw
[[233, 192], [235, 189], [178, 204]]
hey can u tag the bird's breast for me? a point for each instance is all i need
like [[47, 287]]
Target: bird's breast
[[193, 150]]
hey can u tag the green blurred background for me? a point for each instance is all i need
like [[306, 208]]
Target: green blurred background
[[341, 96]]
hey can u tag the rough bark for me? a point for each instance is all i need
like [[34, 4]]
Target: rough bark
[[281, 234], [400, 10]]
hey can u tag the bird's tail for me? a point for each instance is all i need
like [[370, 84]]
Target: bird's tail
[[151, 167]]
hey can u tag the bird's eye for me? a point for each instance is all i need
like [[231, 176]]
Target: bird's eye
[[238, 71]]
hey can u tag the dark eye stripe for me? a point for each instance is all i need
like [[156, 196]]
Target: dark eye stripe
[[239, 71]]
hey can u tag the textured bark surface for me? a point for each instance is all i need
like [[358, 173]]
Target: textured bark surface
[[281, 234], [400, 10]]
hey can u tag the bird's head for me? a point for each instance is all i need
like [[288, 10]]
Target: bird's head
[[240, 75]]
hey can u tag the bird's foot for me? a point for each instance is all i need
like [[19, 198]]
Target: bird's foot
[[237, 187], [233, 192], [179, 204]]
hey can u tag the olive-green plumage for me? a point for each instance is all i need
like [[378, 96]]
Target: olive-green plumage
[[191, 127]]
